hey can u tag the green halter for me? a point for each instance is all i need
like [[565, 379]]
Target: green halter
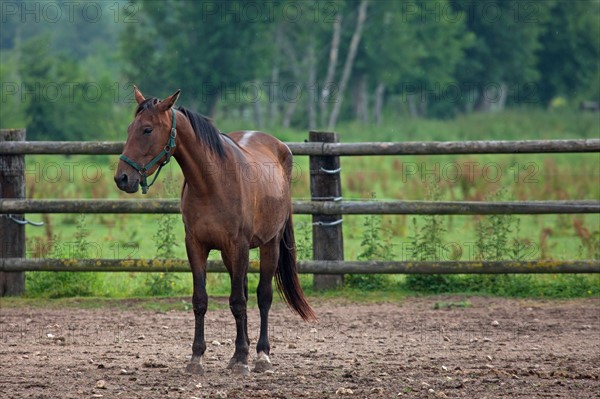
[[166, 152]]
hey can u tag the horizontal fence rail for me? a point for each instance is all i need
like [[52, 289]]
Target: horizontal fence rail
[[10, 206], [308, 267], [381, 148], [321, 150]]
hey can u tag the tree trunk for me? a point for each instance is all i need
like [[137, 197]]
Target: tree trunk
[[311, 92], [422, 105], [273, 89], [362, 15], [289, 113], [333, 59], [354, 97], [273, 97], [258, 111], [362, 99], [378, 103], [295, 65], [482, 104], [411, 100], [501, 103], [213, 101], [491, 98]]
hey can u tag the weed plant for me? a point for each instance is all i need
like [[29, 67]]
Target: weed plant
[[376, 244], [427, 244], [165, 237], [66, 284]]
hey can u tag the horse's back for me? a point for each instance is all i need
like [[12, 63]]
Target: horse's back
[[259, 145]]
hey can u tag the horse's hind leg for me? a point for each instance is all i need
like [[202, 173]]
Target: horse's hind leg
[[237, 265], [269, 255], [197, 256]]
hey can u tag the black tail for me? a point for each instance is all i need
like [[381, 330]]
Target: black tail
[[287, 275]]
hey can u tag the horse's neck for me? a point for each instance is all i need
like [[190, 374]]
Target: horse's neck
[[200, 167]]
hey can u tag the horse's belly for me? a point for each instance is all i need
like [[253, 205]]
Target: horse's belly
[[268, 220]]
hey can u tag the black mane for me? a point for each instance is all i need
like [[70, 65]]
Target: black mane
[[205, 131]]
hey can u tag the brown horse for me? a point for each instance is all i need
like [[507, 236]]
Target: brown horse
[[236, 196]]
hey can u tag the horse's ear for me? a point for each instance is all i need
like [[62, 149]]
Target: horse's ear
[[139, 97], [168, 102]]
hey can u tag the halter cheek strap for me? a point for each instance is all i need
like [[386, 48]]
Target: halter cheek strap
[[166, 152]]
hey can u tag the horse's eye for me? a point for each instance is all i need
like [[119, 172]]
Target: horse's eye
[[148, 130]]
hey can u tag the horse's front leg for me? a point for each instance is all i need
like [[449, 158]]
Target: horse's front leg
[[236, 262], [197, 256]]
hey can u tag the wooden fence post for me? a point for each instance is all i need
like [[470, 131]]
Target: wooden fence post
[[12, 235], [325, 185]]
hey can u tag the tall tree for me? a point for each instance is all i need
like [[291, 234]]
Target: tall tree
[[61, 101], [569, 56], [334, 50], [57, 58], [408, 49], [503, 57], [208, 49], [303, 47], [349, 63], [36, 71]]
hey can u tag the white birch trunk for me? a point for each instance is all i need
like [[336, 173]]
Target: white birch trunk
[[362, 15]]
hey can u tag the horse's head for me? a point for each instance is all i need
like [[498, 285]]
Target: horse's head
[[150, 142]]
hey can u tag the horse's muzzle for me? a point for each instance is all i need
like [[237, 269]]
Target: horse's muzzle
[[126, 183]]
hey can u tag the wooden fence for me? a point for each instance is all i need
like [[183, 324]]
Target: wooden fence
[[326, 207]]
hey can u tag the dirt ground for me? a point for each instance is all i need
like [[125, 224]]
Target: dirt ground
[[493, 348]]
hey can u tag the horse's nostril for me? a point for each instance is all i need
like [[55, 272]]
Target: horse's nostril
[[121, 180]]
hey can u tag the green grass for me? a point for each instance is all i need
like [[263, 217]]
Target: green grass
[[566, 286], [514, 124], [394, 287], [555, 286], [520, 177]]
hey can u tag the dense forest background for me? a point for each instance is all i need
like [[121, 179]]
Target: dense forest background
[[67, 68]]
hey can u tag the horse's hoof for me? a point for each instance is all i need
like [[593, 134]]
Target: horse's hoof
[[240, 369], [194, 368], [262, 363], [232, 363]]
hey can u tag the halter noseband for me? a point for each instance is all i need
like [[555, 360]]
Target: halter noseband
[[166, 152]]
